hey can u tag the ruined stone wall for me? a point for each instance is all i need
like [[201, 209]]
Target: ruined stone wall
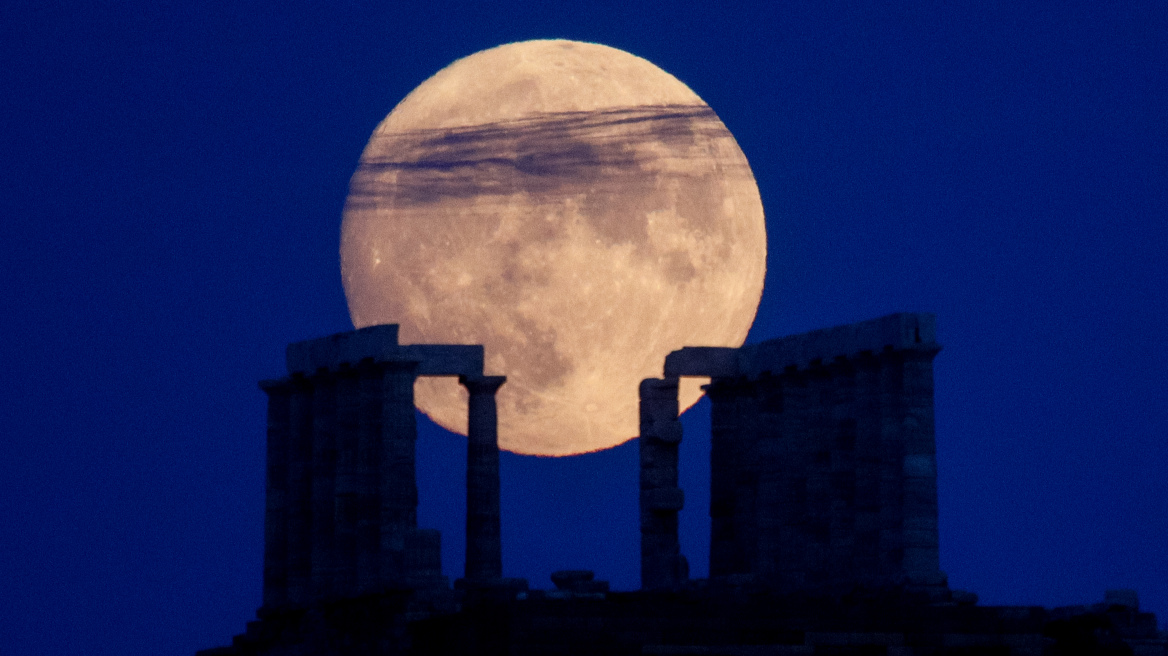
[[823, 468], [341, 510]]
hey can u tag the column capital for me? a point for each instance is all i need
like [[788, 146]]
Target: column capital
[[482, 384]]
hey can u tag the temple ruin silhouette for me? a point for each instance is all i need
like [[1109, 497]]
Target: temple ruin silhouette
[[823, 507]]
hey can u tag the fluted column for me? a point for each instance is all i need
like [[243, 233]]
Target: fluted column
[[820, 436], [348, 425], [868, 468], [843, 472], [324, 456], [792, 568], [276, 497], [772, 463], [922, 564], [369, 480], [484, 543], [300, 491], [726, 535], [662, 564], [892, 409], [398, 485]]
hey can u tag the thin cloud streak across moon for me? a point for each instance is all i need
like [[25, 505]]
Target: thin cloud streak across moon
[[558, 153], [576, 210]]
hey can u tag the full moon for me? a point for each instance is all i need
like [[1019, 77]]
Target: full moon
[[573, 208]]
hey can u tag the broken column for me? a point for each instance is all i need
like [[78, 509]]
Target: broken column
[[484, 546], [662, 564]]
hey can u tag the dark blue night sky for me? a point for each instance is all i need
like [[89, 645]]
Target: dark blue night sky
[[169, 219]]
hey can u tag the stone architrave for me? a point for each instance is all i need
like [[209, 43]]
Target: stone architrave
[[484, 545]]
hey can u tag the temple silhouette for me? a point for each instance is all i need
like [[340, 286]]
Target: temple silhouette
[[823, 507]]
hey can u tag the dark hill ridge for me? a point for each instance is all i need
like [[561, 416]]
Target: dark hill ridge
[[704, 619]]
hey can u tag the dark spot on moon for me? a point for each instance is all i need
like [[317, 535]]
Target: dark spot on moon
[[546, 367], [678, 268], [618, 212], [698, 206]]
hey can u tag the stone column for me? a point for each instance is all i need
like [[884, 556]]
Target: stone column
[[868, 468], [398, 485], [348, 426], [734, 475], [662, 565], [794, 427], [484, 544], [746, 440], [772, 463], [922, 564], [843, 472], [369, 480], [817, 526], [723, 468], [300, 491], [276, 498], [324, 456], [892, 409]]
